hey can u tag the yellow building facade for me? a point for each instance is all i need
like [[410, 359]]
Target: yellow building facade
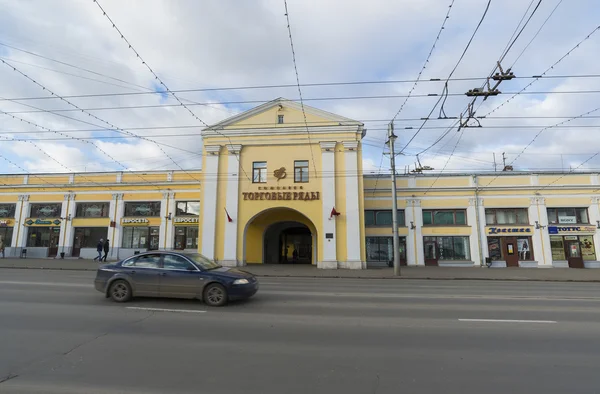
[[284, 184]]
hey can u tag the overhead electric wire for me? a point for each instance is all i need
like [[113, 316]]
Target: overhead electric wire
[[416, 81], [450, 75], [160, 81]]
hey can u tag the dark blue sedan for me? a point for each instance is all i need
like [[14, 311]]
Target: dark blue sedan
[[174, 275]]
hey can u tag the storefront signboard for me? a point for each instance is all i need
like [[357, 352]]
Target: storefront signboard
[[287, 196], [571, 229], [567, 219], [183, 220], [135, 221], [508, 231], [5, 223], [32, 222]]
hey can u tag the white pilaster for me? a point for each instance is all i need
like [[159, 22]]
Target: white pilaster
[[116, 239], [209, 213], [353, 212], [165, 223], [328, 196], [594, 213], [19, 239], [482, 235], [231, 204], [414, 242], [540, 238], [474, 239], [66, 228], [170, 230]]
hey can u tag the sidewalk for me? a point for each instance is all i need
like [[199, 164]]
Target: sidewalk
[[308, 271]]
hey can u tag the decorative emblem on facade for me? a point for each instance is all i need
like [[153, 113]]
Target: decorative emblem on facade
[[279, 173]]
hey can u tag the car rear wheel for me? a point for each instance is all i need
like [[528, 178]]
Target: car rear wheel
[[120, 291], [215, 295]]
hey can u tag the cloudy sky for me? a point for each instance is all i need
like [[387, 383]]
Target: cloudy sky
[[70, 48]]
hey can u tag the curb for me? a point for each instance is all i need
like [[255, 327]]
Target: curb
[[353, 277]]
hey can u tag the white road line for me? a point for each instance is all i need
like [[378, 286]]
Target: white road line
[[164, 310], [508, 321], [8, 282]]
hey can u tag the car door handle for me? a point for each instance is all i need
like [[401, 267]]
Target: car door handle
[[132, 272], [163, 274]]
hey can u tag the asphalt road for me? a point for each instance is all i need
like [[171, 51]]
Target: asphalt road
[[58, 335]]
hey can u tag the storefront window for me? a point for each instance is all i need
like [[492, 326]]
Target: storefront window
[[92, 210], [524, 248], [568, 216], [558, 248], [448, 248], [382, 249], [6, 234], [494, 248], [445, 217], [45, 210], [186, 237], [187, 208], [140, 238], [506, 216], [382, 218], [88, 237], [148, 209], [588, 252], [7, 210], [46, 237]]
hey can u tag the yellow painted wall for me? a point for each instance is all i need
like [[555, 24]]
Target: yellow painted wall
[[187, 196], [459, 203], [11, 180], [444, 182], [142, 177], [564, 180], [361, 203], [98, 178], [91, 222], [142, 196], [292, 117], [9, 198], [53, 179], [561, 202], [490, 202], [385, 231], [444, 230], [221, 191], [46, 198], [100, 197], [186, 177], [513, 180]]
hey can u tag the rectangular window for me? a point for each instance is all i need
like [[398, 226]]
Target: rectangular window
[[45, 210], [568, 216], [447, 248], [7, 210], [374, 218], [588, 252], [88, 237], [444, 217], [301, 171], [558, 248], [186, 237], [140, 237], [506, 216], [279, 119], [46, 237], [381, 249], [92, 210], [187, 208], [525, 248], [6, 234], [148, 209], [259, 172]]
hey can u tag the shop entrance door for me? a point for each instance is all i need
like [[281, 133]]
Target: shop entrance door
[[77, 242], [431, 253], [574, 254], [153, 240], [511, 252], [53, 241]]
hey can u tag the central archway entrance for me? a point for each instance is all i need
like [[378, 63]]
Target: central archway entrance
[[280, 236], [287, 243]]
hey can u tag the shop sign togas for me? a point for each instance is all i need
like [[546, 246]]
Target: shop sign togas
[[507, 230], [134, 221], [185, 219]]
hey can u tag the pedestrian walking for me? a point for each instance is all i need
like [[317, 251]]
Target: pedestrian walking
[[2, 247], [99, 248], [106, 248]]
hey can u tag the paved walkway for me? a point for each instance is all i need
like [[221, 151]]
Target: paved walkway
[[307, 271]]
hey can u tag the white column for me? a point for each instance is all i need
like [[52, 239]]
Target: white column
[[414, 242], [328, 245], [474, 239], [209, 213], [66, 229], [482, 235], [353, 241], [594, 212], [540, 238], [170, 227], [231, 204], [165, 223], [117, 200], [19, 239]]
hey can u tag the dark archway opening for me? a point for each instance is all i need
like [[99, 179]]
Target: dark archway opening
[[288, 243]]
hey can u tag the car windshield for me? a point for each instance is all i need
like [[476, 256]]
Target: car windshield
[[202, 262]]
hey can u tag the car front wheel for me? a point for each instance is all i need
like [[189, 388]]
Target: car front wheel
[[120, 291], [215, 295]]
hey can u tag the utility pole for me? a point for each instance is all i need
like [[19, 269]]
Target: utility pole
[[495, 162], [395, 241]]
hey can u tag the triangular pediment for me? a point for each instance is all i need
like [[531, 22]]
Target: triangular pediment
[[267, 116]]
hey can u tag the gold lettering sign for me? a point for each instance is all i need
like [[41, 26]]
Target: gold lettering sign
[[285, 196]]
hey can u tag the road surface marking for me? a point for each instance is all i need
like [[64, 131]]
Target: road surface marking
[[164, 310], [8, 282], [508, 321]]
